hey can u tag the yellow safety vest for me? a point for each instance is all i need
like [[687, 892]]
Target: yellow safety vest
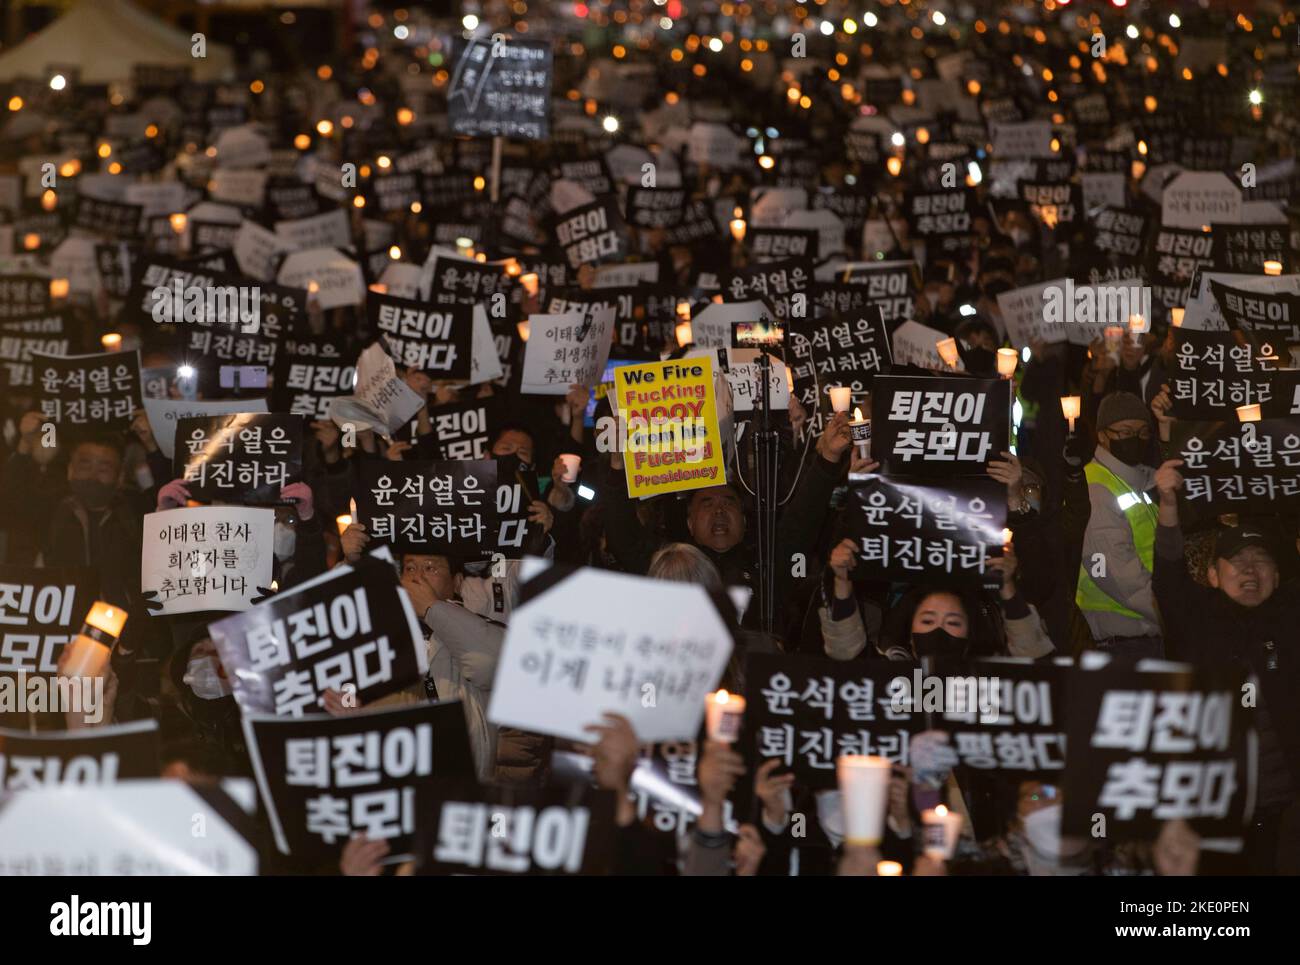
[[1141, 515]]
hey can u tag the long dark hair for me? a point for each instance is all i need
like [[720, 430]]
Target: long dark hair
[[985, 634]]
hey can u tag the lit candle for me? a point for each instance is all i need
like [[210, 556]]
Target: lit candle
[[723, 713], [789, 380], [683, 332], [178, 222], [860, 432], [1007, 536], [889, 869], [947, 351], [1137, 324], [342, 522], [864, 791], [111, 342], [940, 830], [89, 652], [523, 328], [1249, 413], [59, 287], [529, 281], [1176, 316], [841, 397], [738, 227], [895, 165], [1113, 335], [1007, 360], [378, 287], [1070, 405], [684, 311], [1272, 267]]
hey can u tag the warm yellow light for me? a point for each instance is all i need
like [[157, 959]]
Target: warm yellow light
[[895, 165], [59, 287], [302, 142], [405, 116], [324, 128], [480, 183], [15, 103], [257, 87], [1272, 267], [111, 342], [49, 200], [395, 253], [104, 149], [384, 161], [523, 329], [359, 201], [178, 221]]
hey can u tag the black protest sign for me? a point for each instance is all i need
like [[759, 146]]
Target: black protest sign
[[17, 353], [518, 227], [308, 375], [851, 207], [212, 235], [913, 532], [1054, 204], [501, 88], [115, 262], [96, 755], [324, 779], [1156, 746], [288, 199], [1118, 232], [89, 391], [1242, 467], [438, 508], [430, 338], [396, 192], [456, 281], [655, 207], [465, 828], [1271, 315], [697, 225], [837, 351], [590, 174], [22, 296], [775, 244], [784, 285], [1214, 372], [41, 609], [938, 426], [461, 430], [244, 459], [592, 234], [1175, 254], [353, 630], [52, 323], [887, 284], [1205, 152], [863, 147], [943, 216], [515, 535], [1004, 714], [1245, 248], [806, 712], [114, 220]]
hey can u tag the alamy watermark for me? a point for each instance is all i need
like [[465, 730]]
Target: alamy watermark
[[208, 304]]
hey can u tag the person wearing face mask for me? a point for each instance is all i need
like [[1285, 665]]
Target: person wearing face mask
[[1245, 616], [1114, 587]]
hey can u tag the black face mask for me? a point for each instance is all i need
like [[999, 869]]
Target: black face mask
[[938, 643], [92, 493], [507, 466], [1131, 452], [980, 361]]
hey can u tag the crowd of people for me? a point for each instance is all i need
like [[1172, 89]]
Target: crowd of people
[[1102, 555]]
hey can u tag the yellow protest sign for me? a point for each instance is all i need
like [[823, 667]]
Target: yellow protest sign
[[671, 420]]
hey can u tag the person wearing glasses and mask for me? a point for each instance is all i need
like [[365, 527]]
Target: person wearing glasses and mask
[[1114, 591]]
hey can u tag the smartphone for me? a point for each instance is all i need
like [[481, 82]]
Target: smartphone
[[243, 377]]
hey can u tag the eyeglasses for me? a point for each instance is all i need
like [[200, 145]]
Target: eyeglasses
[[1140, 434]]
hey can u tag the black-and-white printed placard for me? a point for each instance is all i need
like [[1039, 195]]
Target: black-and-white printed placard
[[1118, 232], [96, 755], [655, 207], [18, 351], [807, 711], [1246, 247], [1242, 466], [22, 296], [164, 414], [87, 392], [382, 391], [466, 828], [571, 348], [593, 641], [1267, 315], [41, 609], [501, 88], [324, 779], [785, 285], [246, 457], [461, 430], [777, 244], [938, 426], [945, 217], [1023, 313], [592, 234], [132, 828], [1214, 372], [308, 375], [441, 508], [435, 339], [886, 283], [115, 220], [352, 629], [1153, 746], [454, 280], [837, 351], [909, 531], [207, 557]]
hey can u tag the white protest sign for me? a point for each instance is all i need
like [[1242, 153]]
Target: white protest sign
[[915, 344], [626, 276], [157, 197], [139, 827], [165, 413], [769, 207], [1103, 188], [75, 260], [380, 390], [663, 648], [1195, 199], [1022, 313], [829, 228], [329, 276], [714, 145], [1032, 139], [402, 279], [328, 230], [207, 557], [570, 348], [485, 364], [242, 147], [256, 250], [238, 186], [743, 370]]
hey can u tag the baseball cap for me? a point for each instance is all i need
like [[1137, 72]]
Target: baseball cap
[[1231, 541]]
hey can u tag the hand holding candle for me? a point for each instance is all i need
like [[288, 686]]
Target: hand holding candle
[[940, 830], [860, 432], [89, 652], [947, 348], [841, 397], [1070, 406], [1007, 360], [723, 713]]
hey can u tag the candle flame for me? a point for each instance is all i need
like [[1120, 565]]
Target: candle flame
[[857, 414], [721, 697], [941, 811]]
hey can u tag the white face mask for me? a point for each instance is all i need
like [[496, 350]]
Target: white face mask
[[286, 541], [1043, 832], [203, 678]]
